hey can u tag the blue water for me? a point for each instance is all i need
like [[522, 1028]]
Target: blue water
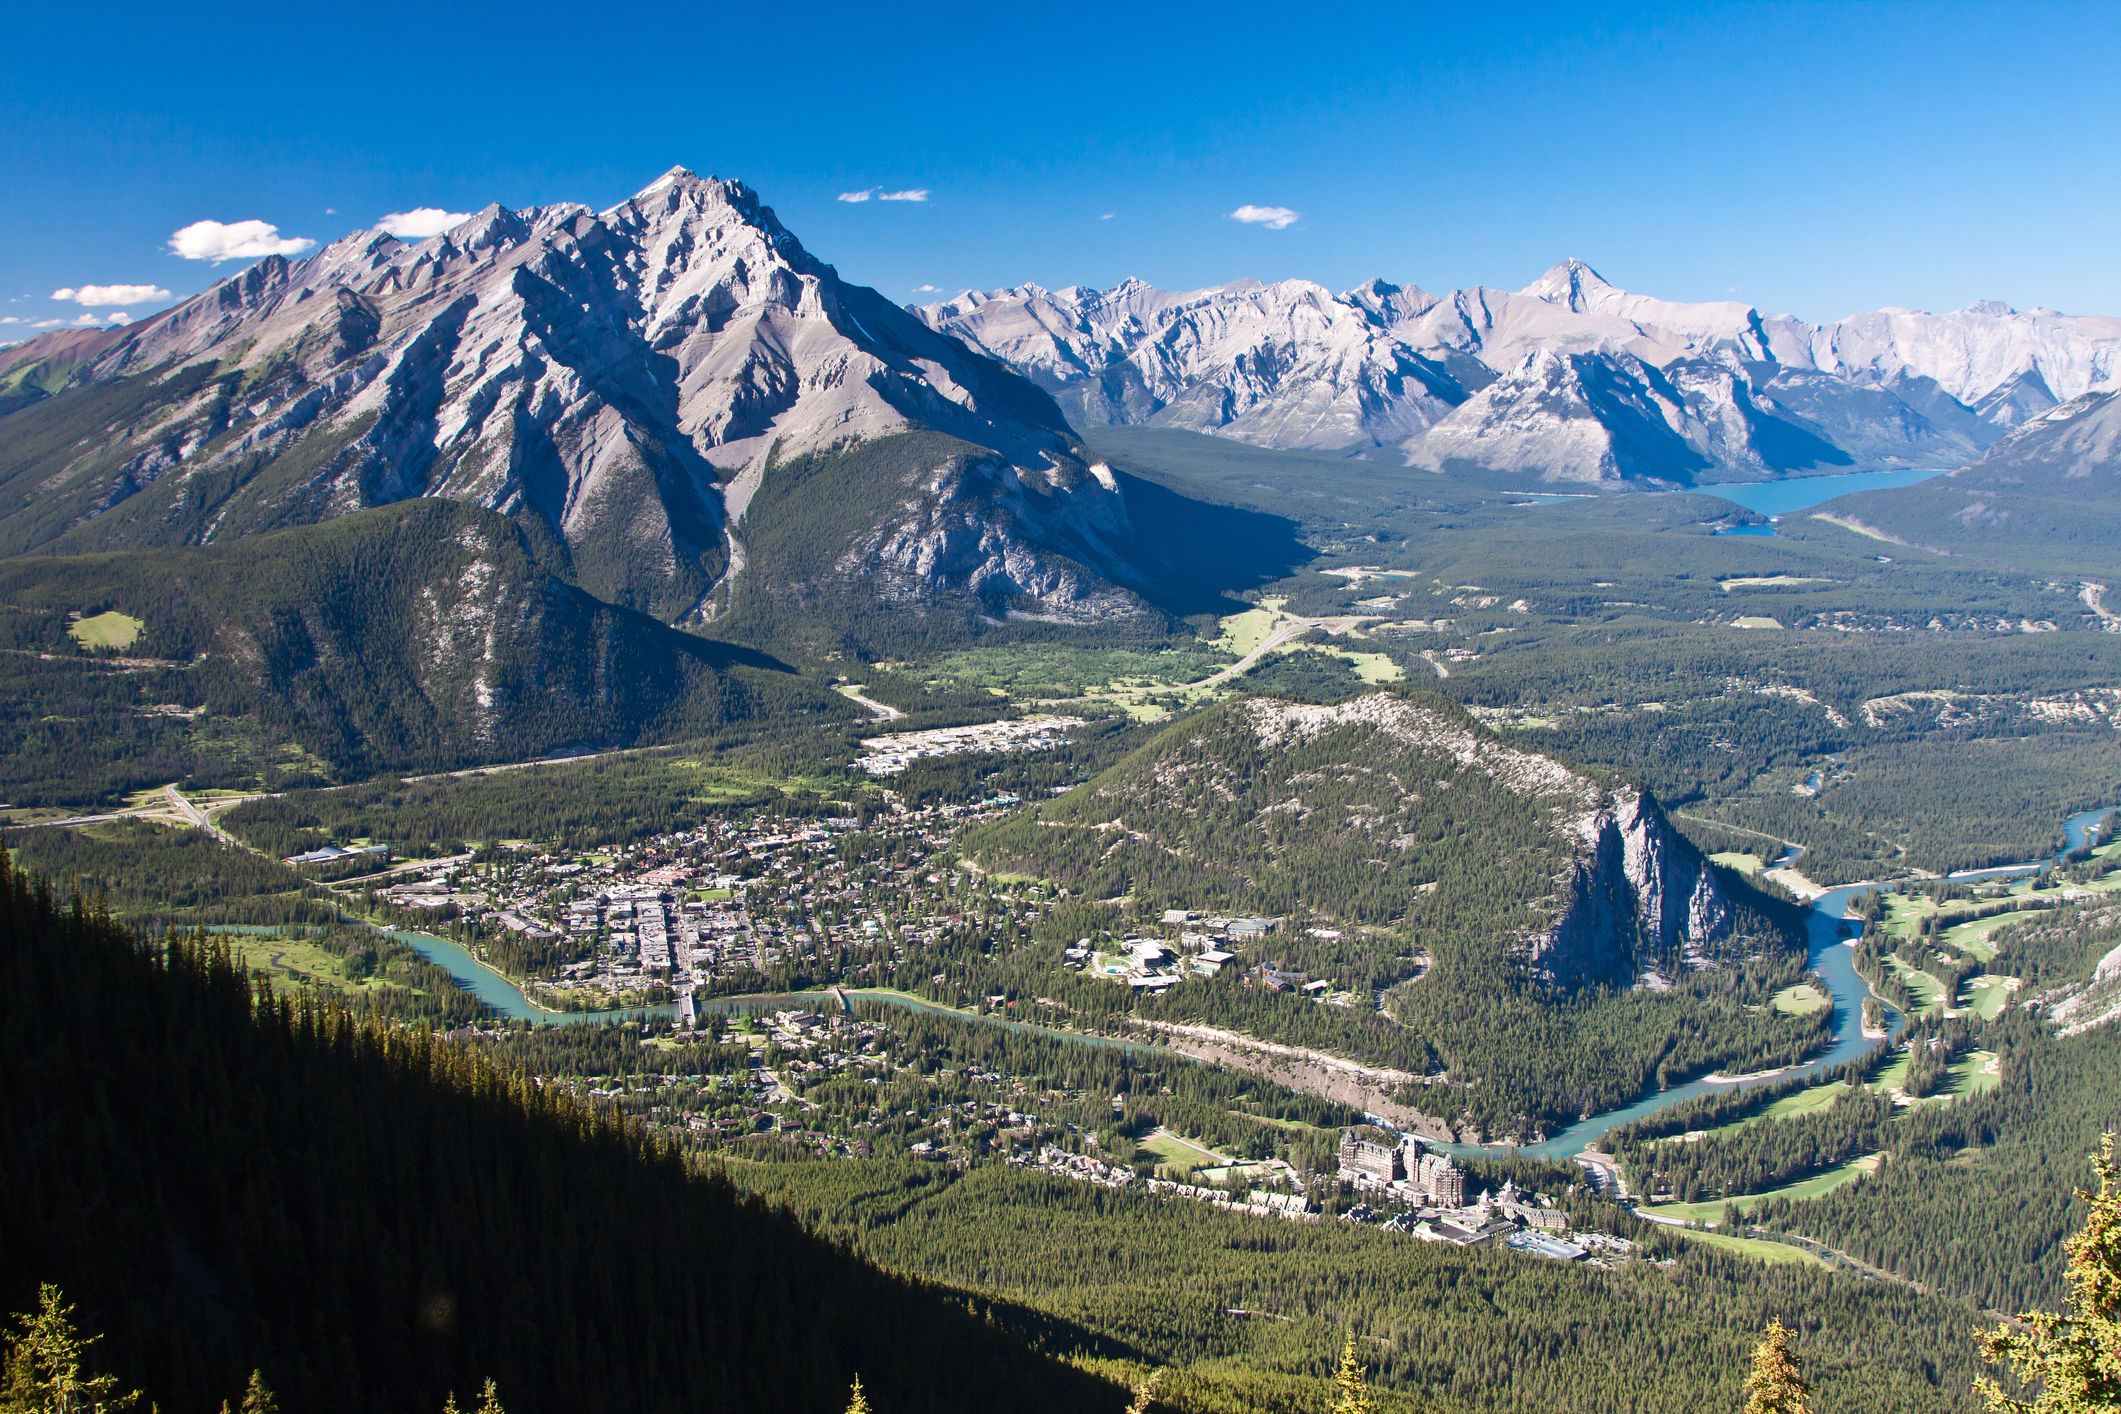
[[504, 996], [1832, 960], [1774, 498]]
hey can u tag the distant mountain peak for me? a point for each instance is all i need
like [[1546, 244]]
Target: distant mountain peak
[[1572, 283]]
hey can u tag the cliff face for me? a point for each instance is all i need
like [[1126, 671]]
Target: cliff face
[[1639, 897]]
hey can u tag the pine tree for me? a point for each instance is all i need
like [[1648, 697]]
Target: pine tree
[[490, 1399], [257, 1399], [1145, 1393], [41, 1370], [2073, 1357], [1777, 1384], [857, 1402], [1351, 1391]]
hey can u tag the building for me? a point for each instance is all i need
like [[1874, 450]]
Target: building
[[1369, 1165], [1538, 1244], [1442, 1180]]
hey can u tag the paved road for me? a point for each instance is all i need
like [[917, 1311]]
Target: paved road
[[507, 766]]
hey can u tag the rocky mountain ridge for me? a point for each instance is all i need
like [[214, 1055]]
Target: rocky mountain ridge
[[1569, 379], [621, 381]]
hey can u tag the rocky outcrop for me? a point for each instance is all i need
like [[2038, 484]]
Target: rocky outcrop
[[1638, 897]]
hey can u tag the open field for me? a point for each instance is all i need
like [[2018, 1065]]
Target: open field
[[1926, 990], [1805, 1101], [1180, 1156], [1045, 671], [1813, 1187], [1768, 581], [1803, 999], [1986, 996], [109, 630], [294, 962], [1754, 1247]]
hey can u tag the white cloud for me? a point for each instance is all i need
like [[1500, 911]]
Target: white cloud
[[9, 319], [237, 240], [1274, 218], [49, 324], [1108, 216], [112, 294], [421, 222], [924, 289], [879, 194]]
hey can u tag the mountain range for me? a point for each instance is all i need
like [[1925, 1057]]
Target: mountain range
[[1569, 379], [625, 384]]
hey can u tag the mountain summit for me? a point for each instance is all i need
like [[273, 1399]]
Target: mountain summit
[[621, 382], [1468, 380]]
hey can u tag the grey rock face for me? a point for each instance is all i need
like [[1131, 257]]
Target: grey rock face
[[1291, 365], [623, 378], [1638, 896]]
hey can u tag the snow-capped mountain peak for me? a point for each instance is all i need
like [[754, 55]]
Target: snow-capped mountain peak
[[1288, 365]]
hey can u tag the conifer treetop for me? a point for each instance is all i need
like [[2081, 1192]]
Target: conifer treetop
[[1777, 1384], [2071, 1358]]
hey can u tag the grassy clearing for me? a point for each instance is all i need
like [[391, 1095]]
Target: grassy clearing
[[1754, 1247], [1987, 996], [1818, 1184], [1293, 1126], [1044, 671], [1805, 1101], [291, 962], [1767, 581], [1180, 1156], [109, 630], [1974, 1073], [1803, 999], [1372, 668], [1755, 621], [1927, 991], [1241, 633], [1892, 1075], [1746, 864]]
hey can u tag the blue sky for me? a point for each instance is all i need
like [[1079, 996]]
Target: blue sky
[[1810, 159]]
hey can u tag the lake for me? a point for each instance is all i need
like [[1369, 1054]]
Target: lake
[[1775, 498]]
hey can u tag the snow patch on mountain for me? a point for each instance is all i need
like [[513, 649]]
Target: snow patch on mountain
[[1291, 365]]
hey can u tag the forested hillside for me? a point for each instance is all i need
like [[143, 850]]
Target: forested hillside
[[1480, 891], [377, 1220], [424, 635]]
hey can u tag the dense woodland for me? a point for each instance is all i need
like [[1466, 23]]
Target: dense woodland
[[1249, 1310], [225, 1181], [1420, 870]]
